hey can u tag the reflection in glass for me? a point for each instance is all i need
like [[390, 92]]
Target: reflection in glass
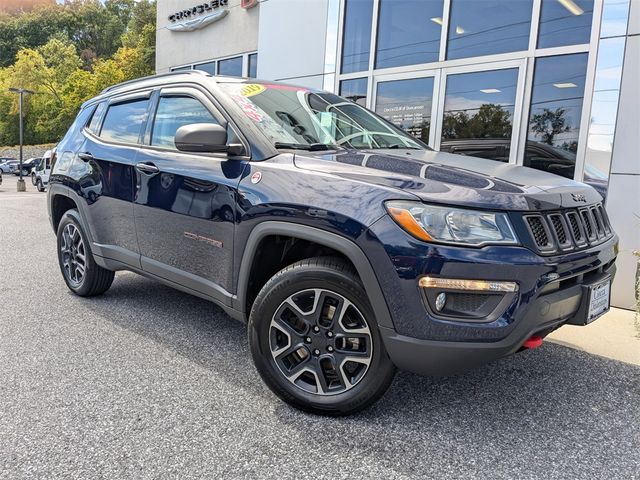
[[564, 22], [604, 113], [485, 27], [231, 67], [355, 90], [554, 117], [209, 67], [478, 113], [408, 32], [407, 104], [356, 41], [123, 121], [173, 113], [297, 118], [253, 65], [615, 15]]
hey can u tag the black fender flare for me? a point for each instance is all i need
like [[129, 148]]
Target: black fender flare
[[58, 189], [328, 239]]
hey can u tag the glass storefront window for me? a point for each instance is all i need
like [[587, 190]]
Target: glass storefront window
[[565, 22], [604, 113], [355, 90], [407, 104], [231, 67], [554, 117], [209, 67], [253, 65], [478, 113], [408, 32], [356, 41], [486, 27], [615, 14]]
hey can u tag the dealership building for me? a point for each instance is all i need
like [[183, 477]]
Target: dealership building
[[549, 84]]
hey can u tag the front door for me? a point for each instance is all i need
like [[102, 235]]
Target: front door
[[185, 202]]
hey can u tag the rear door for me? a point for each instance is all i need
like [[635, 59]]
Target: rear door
[[106, 174], [185, 202]]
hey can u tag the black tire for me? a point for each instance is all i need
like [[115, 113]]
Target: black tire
[[33, 179], [39, 185], [95, 280], [331, 277]]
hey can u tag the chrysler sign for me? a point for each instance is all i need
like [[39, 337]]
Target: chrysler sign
[[198, 16]]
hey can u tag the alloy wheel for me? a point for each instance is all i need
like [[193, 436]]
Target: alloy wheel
[[74, 260], [320, 342]]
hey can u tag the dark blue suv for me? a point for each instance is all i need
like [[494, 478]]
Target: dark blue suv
[[349, 247]]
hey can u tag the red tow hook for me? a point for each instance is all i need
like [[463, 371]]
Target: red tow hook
[[532, 342]]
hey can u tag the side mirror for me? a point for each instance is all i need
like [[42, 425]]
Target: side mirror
[[202, 137]]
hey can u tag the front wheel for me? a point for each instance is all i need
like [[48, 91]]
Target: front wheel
[[39, 185], [82, 274], [315, 341], [33, 179]]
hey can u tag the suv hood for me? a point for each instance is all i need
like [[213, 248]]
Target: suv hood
[[453, 179]]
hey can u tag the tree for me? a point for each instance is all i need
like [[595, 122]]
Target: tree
[[141, 33], [68, 54], [549, 123]]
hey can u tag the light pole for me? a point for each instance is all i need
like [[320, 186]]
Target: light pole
[[21, 92]]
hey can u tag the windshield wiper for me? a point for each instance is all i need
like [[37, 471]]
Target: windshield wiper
[[311, 147]]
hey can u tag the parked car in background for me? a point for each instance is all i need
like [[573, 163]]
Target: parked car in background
[[27, 166], [40, 174], [6, 164]]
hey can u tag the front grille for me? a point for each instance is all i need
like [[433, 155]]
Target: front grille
[[568, 229]]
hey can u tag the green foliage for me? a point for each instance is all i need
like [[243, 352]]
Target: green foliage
[[68, 54]]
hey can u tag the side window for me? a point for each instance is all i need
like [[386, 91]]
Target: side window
[[173, 113], [94, 124], [123, 121]]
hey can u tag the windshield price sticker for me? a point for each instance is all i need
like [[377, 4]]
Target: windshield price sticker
[[252, 89]]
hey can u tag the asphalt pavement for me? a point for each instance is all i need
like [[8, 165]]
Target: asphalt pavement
[[147, 382]]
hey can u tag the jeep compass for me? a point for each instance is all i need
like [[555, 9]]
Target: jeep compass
[[349, 247]]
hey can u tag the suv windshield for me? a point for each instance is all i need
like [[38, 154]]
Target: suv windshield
[[297, 117]]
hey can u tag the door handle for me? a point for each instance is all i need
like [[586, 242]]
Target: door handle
[[147, 168], [85, 156]]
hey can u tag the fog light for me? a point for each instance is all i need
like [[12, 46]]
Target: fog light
[[441, 299], [472, 285]]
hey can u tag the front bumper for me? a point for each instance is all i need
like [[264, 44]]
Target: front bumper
[[551, 293]]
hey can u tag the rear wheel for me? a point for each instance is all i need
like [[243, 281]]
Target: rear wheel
[[39, 185], [315, 341], [33, 178], [81, 273]]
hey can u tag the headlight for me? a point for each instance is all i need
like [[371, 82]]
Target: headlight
[[451, 225]]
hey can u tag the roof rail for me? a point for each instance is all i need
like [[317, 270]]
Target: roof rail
[[150, 77]]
